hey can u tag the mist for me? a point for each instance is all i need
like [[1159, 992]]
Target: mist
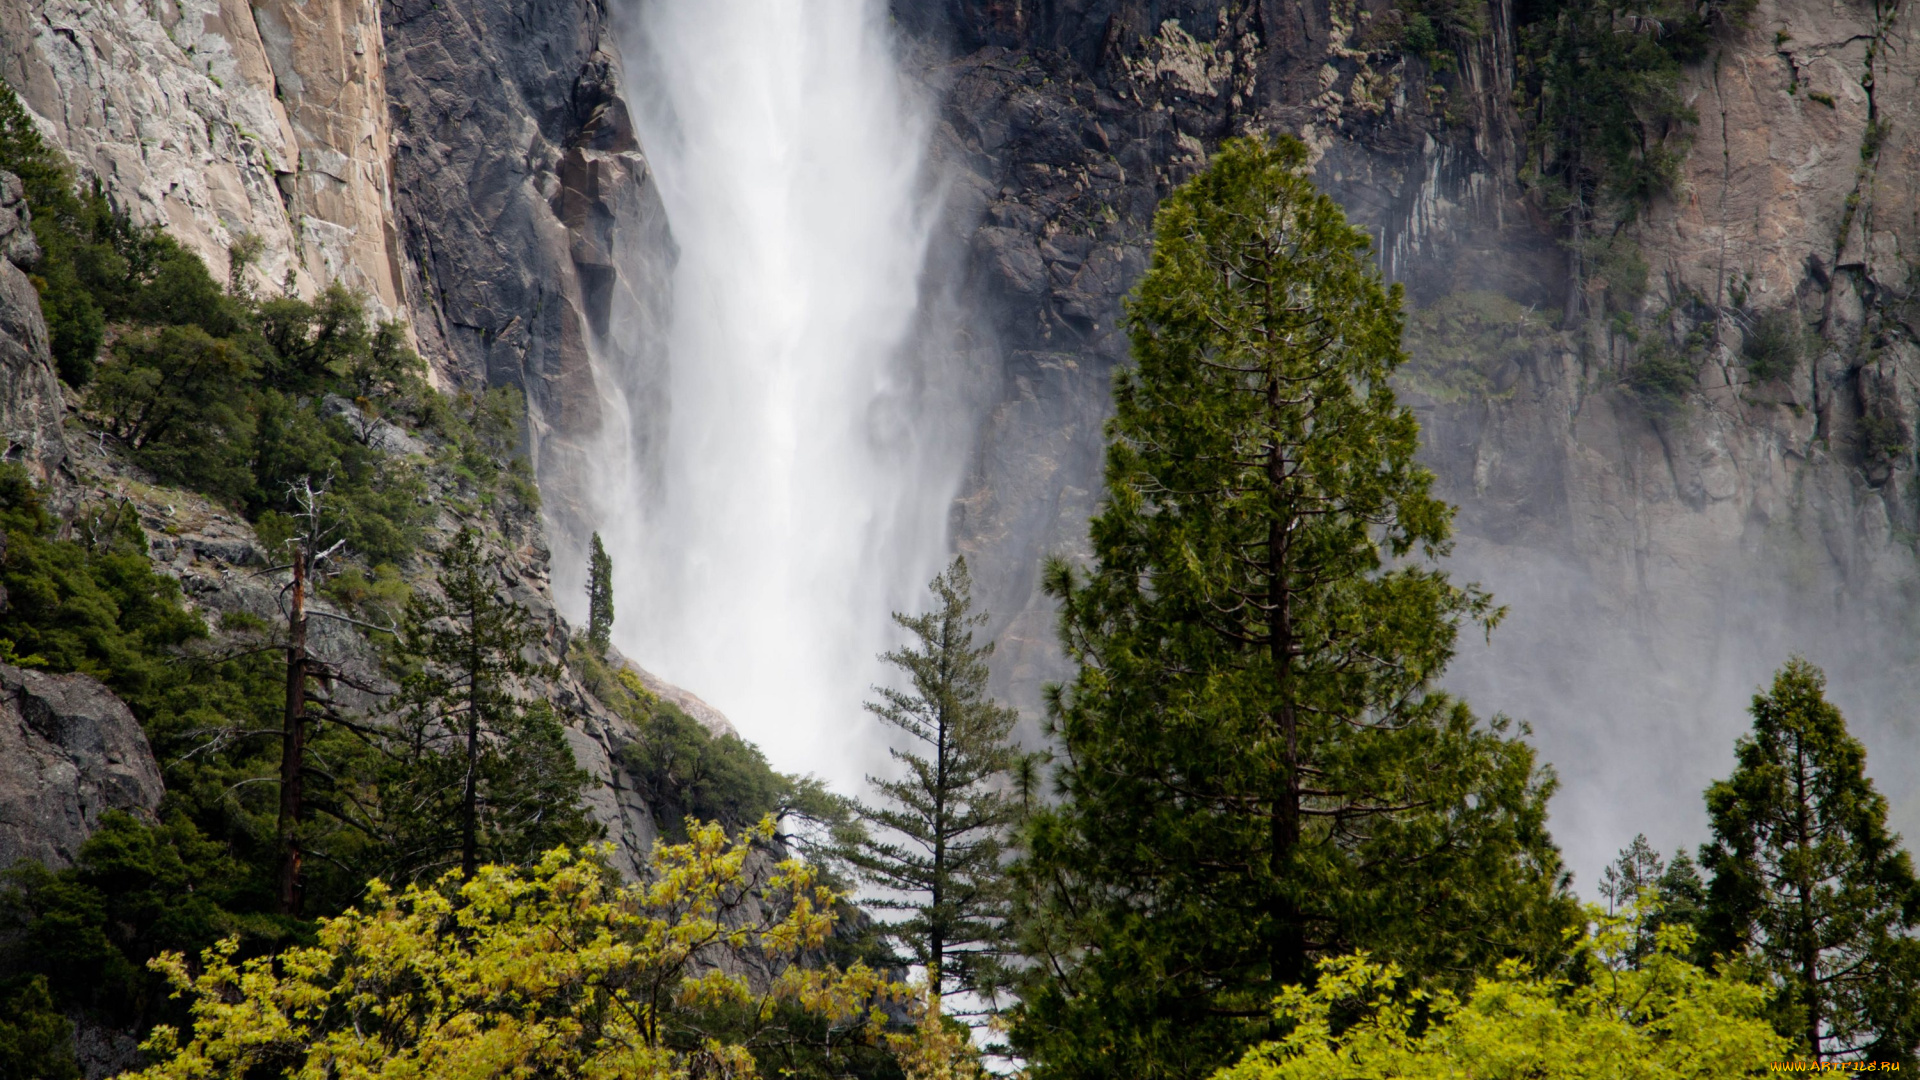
[[810, 451], [1636, 692]]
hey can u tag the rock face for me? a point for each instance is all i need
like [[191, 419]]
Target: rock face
[[31, 404], [1659, 560], [1066, 123], [69, 751], [521, 189], [221, 120]]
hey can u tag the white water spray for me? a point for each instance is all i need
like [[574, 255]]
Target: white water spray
[[810, 457]]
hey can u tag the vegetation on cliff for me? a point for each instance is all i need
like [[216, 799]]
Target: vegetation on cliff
[[1606, 120]]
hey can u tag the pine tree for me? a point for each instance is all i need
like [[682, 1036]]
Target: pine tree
[[480, 774], [944, 824], [1806, 880], [1256, 773], [599, 596], [1639, 875]]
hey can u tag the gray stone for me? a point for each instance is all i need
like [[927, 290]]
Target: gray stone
[[69, 752], [32, 408]]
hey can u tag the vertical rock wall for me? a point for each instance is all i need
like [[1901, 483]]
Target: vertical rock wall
[[1066, 123], [218, 120], [1659, 561], [521, 190]]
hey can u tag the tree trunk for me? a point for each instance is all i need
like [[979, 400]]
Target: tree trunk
[[470, 797], [1288, 959], [937, 915], [1809, 946], [293, 738], [1572, 313]]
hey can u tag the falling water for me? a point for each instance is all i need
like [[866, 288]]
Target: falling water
[[808, 463]]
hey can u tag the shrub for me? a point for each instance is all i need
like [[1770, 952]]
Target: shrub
[[1661, 377], [1773, 346], [1659, 1016], [552, 972]]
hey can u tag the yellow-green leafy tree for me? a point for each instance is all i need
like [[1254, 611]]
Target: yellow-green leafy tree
[[552, 972], [1657, 1016]]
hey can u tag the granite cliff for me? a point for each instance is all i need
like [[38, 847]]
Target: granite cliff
[[1659, 555], [471, 165]]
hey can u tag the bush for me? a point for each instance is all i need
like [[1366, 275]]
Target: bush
[[1773, 346], [97, 606], [551, 972], [1661, 377], [35, 1040], [1659, 1016]]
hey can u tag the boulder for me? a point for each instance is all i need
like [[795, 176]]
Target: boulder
[[69, 751]]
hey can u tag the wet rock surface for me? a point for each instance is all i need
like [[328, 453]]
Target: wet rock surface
[[520, 191]]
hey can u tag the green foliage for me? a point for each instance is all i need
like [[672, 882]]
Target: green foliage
[[1605, 79], [943, 827], [1462, 345], [95, 604], [1882, 437], [35, 1039], [169, 396], [1661, 377], [599, 596], [685, 771], [1256, 770], [380, 598], [96, 607], [1773, 346], [1808, 885], [1600, 81], [1626, 1015], [242, 418], [1421, 38], [1615, 262], [225, 393], [96, 266], [476, 773], [1664, 892], [552, 972], [135, 891], [1431, 28]]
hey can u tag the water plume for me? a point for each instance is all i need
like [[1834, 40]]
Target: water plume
[[811, 445]]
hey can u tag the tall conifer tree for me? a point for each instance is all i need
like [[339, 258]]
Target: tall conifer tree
[[1807, 880], [1256, 773], [480, 774], [599, 596], [943, 826]]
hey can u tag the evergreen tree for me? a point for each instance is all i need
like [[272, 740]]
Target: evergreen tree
[[1808, 883], [1256, 773], [943, 826], [1633, 882], [599, 596], [480, 775]]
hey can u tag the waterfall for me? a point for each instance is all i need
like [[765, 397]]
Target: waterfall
[[810, 451]]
